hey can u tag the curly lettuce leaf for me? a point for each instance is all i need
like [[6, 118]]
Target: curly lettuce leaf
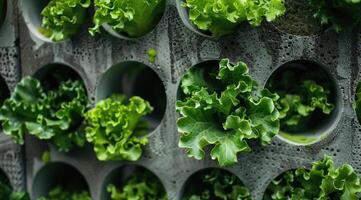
[[7, 193], [225, 111], [116, 129], [138, 186], [297, 106], [218, 184], [54, 115], [63, 18], [222, 17], [59, 193], [132, 17], [337, 14], [322, 181]]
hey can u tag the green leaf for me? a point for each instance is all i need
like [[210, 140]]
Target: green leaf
[[221, 17], [132, 17], [322, 182], [53, 115], [232, 111], [6, 193], [142, 185], [116, 129], [63, 18]]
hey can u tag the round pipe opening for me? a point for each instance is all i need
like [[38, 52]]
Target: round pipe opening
[[318, 125], [122, 174], [214, 183], [133, 78], [57, 174]]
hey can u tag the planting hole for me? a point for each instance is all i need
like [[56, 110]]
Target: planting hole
[[133, 78], [312, 114], [57, 174], [122, 176], [32, 15], [4, 91], [51, 75], [211, 183]]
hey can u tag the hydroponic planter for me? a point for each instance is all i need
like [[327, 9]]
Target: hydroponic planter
[[264, 49], [57, 174], [319, 125]]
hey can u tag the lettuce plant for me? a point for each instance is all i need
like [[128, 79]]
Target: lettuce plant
[[48, 115], [322, 181], [6, 193], [221, 17], [217, 184], [116, 129], [139, 186], [357, 103], [337, 14], [133, 18], [59, 193], [63, 18], [223, 107], [297, 106]]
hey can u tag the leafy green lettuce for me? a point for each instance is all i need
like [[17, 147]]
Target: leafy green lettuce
[[217, 184], [337, 14], [6, 193], [224, 108], [322, 182], [132, 17], [59, 193], [116, 129], [297, 106], [357, 103], [139, 186], [53, 115], [63, 18], [221, 17]]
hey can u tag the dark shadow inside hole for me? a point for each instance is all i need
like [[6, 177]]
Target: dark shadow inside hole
[[52, 75], [135, 79], [289, 76], [121, 175], [207, 70], [3, 11], [4, 178], [58, 174], [4, 91], [195, 185]]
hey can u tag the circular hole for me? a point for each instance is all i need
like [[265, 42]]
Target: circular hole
[[32, 10], [51, 75], [57, 174], [133, 78], [136, 174], [141, 24], [215, 184], [286, 80]]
